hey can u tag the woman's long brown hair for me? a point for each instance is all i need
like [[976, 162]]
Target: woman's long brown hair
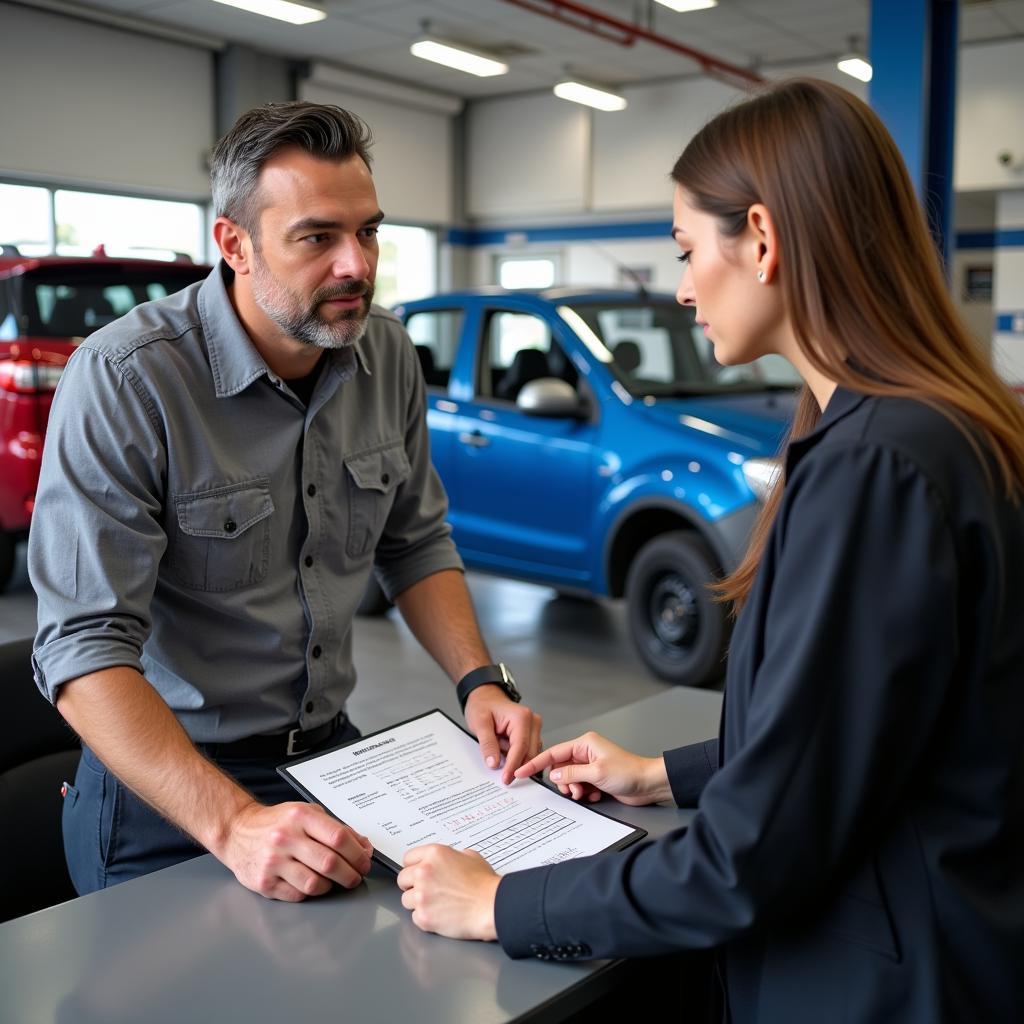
[[860, 275]]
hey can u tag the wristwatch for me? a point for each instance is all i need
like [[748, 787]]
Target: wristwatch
[[487, 675]]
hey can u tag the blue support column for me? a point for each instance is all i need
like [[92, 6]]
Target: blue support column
[[913, 53]]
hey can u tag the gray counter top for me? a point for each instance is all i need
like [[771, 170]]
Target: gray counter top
[[189, 944]]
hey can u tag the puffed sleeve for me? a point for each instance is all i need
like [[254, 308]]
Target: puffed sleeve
[[860, 645], [97, 538]]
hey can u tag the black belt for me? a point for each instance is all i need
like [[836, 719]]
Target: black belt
[[279, 745]]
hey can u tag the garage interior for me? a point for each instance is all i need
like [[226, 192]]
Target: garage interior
[[114, 107]]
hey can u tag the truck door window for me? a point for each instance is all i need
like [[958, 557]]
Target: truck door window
[[518, 348], [435, 333]]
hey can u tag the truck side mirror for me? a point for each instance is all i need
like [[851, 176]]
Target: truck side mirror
[[549, 396]]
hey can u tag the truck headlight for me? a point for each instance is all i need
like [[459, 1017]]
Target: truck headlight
[[761, 475]]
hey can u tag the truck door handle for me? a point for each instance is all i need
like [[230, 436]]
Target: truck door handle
[[474, 439]]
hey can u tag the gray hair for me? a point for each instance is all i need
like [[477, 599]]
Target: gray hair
[[321, 129]]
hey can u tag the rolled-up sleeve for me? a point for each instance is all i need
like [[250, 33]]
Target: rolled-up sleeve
[[417, 539], [96, 538]]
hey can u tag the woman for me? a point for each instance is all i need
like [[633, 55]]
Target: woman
[[858, 851]]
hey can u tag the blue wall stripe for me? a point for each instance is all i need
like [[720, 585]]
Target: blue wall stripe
[[471, 237], [1004, 239], [1005, 323], [562, 233]]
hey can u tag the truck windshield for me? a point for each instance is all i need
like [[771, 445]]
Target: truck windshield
[[657, 349], [72, 302]]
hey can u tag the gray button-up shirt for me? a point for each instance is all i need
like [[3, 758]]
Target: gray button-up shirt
[[196, 522]]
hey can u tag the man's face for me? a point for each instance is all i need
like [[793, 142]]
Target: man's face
[[315, 258]]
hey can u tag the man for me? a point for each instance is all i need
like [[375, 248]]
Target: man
[[222, 468]]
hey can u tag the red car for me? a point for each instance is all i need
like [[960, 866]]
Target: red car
[[47, 306]]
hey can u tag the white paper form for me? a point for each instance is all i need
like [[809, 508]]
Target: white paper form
[[424, 781]]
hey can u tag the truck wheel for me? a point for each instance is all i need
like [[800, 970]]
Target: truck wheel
[[7, 545], [374, 602], [680, 631]]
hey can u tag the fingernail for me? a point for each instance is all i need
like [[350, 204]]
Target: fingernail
[[492, 762], [556, 775]]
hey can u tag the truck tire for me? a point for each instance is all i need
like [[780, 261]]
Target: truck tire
[[7, 546], [374, 602], [678, 628]]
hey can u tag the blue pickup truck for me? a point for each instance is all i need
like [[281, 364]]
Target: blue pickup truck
[[589, 441]]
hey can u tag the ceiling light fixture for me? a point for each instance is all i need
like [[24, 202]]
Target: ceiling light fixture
[[854, 63], [457, 57], [590, 96], [282, 10], [683, 6]]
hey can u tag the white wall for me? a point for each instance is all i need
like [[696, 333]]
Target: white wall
[[532, 157], [412, 150], [89, 105], [634, 150], [535, 156], [990, 116], [527, 154], [1008, 293]]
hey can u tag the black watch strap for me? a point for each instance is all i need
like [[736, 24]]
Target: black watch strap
[[487, 675]]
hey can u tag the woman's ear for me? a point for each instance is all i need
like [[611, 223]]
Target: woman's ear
[[763, 241]]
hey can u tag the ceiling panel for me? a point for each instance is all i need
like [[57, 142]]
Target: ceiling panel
[[374, 35], [982, 22]]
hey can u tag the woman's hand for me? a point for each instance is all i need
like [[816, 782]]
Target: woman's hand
[[450, 892], [586, 767]]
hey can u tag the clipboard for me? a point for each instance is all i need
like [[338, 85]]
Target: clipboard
[[398, 771]]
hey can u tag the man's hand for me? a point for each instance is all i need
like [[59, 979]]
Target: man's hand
[[293, 850], [450, 892], [586, 767], [502, 726]]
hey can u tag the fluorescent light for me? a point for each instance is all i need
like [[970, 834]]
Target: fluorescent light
[[689, 5], [283, 10], [458, 58], [589, 96], [855, 66]]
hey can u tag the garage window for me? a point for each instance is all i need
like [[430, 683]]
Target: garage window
[[25, 219], [407, 267], [127, 226]]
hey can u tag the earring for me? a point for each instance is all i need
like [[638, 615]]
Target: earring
[[761, 276]]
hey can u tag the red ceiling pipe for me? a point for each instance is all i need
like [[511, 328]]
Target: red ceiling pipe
[[568, 12]]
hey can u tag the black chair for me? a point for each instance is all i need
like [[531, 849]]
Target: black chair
[[38, 752], [627, 356], [528, 364]]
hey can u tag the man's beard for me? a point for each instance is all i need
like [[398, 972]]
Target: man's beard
[[286, 309]]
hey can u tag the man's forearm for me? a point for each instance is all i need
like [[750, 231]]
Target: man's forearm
[[440, 613], [125, 721]]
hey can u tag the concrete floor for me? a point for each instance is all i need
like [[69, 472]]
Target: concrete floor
[[572, 659]]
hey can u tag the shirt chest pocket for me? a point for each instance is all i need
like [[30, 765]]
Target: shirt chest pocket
[[374, 478], [222, 540]]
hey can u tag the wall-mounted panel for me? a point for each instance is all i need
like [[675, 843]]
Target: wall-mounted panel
[[990, 117], [634, 150], [412, 149], [527, 155], [91, 105]]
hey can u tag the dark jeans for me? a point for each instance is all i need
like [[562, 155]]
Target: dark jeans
[[110, 835]]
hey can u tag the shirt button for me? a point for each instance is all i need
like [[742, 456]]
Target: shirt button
[[308, 560], [317, 651], [311, 490], [309, 707], [230, 526], [384, 478]]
